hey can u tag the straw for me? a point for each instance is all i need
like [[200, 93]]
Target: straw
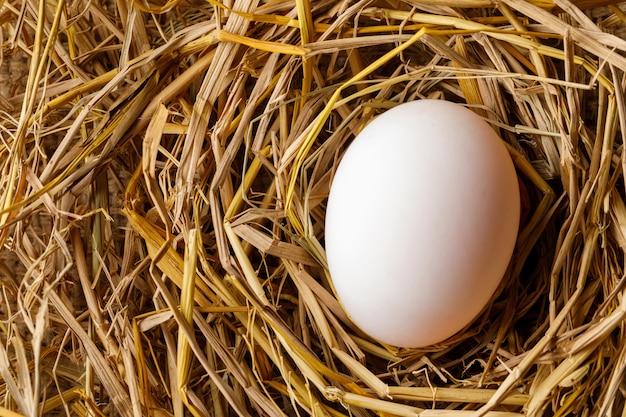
[[164, 174]]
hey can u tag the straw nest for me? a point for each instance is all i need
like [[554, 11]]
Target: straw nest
[[164, 175]]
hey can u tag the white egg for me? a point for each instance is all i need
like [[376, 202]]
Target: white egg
[[421, 222]]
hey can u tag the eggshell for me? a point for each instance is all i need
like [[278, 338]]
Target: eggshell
[[421, 222]]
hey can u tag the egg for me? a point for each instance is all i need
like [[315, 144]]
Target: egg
[[421, 222]]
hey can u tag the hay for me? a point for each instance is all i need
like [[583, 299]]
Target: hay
[[164, 173]]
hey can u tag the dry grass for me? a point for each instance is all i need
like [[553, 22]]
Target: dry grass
[[164, 173]]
